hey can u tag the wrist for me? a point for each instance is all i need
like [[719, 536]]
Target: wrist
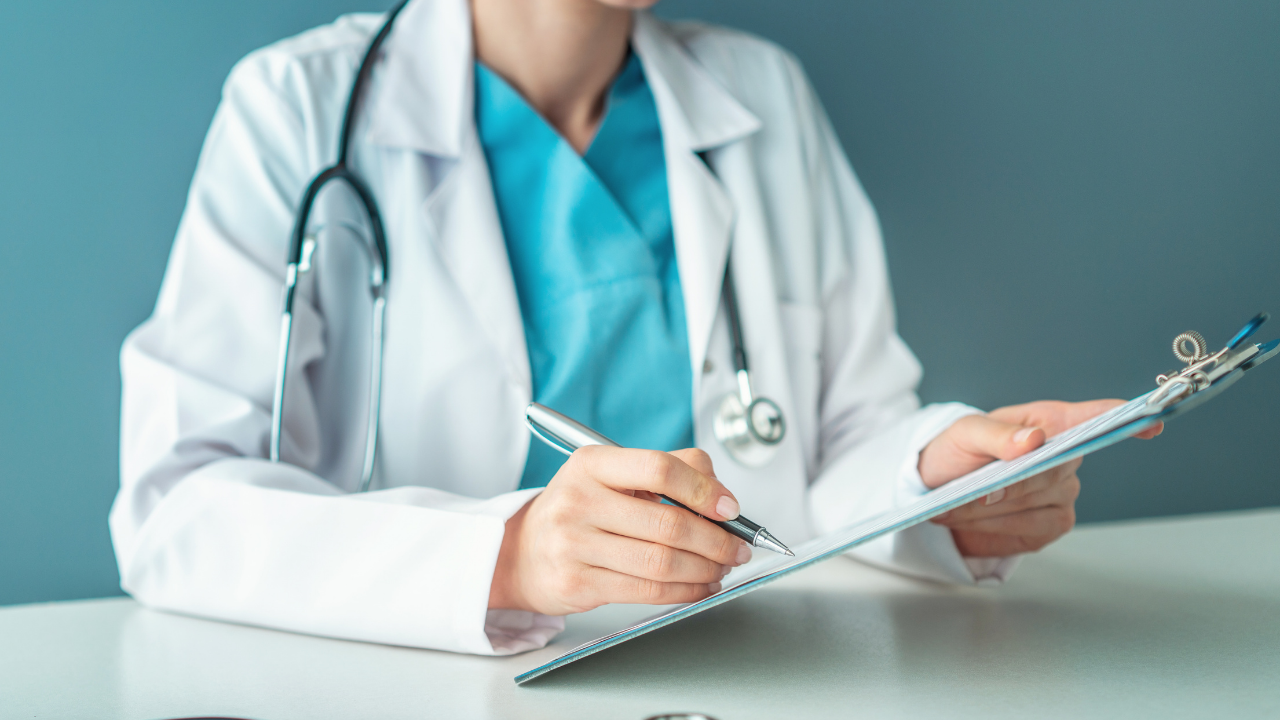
[[504, 591]]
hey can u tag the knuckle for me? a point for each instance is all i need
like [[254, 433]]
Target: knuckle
[[556, 546], [576, 470], [567, 585], [727, 552], [1052, 407], [708, 574], [658, 561], [575, 497], [658, 465], [701, 493], [669, 525], [650, 592], [574, 466], [1073, 488], [582, 463], [692, 593], [561, 511], [1066, 519], [699, 459]]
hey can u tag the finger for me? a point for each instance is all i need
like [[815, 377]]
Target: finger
[[608, 586], [652, 561], [697, 459], [1054, 416], [1056, 486], [658, 472], [986, 437], [1054, 521], [671, 526], [972, 442], [1151, 432]]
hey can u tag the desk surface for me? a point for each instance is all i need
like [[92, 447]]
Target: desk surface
[[1168, 618]]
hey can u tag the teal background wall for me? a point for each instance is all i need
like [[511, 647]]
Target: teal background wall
[[1063, 186]]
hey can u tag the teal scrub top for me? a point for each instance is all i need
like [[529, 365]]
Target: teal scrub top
[[593, 256]]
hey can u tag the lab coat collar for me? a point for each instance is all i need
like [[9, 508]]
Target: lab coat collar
[[425, 98], [697, 115], [425, 103], [703, 115]]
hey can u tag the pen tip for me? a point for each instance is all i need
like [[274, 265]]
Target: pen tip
[[766, 540]]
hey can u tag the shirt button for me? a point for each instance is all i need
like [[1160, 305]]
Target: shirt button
[[707, 367]]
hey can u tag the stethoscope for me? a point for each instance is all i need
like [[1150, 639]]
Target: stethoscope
[[749, 427]]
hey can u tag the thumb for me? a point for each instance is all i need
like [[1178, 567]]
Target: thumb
[[991, 439], [972, 442]]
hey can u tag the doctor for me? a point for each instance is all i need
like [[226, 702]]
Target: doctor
[[562, 184]]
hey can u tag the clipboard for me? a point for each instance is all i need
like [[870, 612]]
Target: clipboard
[[1204, 376]]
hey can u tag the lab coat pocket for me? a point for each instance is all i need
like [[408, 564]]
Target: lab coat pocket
[[802, 328]]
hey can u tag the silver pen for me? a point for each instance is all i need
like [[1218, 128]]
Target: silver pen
[[566, 435]]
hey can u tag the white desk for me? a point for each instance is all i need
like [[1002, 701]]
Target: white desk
[[1171, 618]]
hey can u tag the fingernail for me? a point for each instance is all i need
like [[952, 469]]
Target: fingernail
[[1023, 435], [724, 570], [714, 588], [995, 497], [727, 507], [744, 554]]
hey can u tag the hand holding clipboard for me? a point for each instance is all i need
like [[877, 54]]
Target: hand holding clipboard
[[1204, 376]]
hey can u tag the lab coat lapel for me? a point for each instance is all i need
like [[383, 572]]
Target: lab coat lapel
[[420, 93], [697, 114], [469, 238], [425, 103]]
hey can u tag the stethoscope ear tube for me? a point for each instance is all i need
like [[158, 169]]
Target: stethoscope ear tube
[[379, 271], [729, 295]]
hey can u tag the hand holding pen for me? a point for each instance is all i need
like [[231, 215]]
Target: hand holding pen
[[587, 540], [567, 435]]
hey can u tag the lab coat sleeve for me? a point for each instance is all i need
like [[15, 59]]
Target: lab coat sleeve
[[203, 524], [871, 425]]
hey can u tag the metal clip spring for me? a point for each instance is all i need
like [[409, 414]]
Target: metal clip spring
[[1191, 348], [1199, 349]]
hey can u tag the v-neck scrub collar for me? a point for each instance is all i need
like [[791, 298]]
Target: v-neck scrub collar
[[593, 256]]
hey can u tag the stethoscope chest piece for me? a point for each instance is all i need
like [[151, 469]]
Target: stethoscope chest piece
[[750, 431]]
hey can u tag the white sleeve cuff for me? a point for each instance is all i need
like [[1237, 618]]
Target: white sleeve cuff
[[928, 550], [225, 544], [515, 631], [991, 571], [506, 632]]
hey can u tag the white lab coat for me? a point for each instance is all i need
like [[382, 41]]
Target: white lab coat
[[203, 524]]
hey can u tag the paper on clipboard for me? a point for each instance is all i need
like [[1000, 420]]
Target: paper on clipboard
[[1106, 429]]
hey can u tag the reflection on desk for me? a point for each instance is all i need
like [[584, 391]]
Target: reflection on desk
[[1169, 618]]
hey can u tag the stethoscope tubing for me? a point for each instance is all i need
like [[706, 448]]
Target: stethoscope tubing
[[380, 273]]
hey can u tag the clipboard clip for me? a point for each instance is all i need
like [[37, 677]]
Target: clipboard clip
[[1203, 369]]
